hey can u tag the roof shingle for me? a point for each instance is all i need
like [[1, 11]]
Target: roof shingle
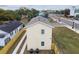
[[9, 27], [39, 19]]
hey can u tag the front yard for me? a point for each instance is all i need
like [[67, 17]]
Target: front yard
[[67, 40]]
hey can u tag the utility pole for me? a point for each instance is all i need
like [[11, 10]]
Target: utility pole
[[73, 25], [73, 7]]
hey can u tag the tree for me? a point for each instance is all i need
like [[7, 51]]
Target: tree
[[66, 12], [17, 14], [61, 11], [22, 11], [6, 15], [34, 12], [30, 13], [57, 12]]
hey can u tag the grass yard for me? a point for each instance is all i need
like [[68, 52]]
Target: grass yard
[[67, 40]]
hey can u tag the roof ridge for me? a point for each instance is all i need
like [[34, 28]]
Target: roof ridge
[[10, 26], [41, 19]]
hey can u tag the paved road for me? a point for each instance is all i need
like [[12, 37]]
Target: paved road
[[69, 22]]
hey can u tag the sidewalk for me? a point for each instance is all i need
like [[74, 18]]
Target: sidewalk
[[75, 30]]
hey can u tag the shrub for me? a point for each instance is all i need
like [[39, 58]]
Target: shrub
[[37, 51], [31, 51]]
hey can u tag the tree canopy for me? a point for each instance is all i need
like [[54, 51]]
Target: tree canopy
[[6, 15], [67, 12]]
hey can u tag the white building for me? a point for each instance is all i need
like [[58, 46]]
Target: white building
[[74, 11], [77, 12], [8, 31], [39, 34]]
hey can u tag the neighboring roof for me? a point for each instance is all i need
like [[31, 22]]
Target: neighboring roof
[[39, 19], [10, 26]]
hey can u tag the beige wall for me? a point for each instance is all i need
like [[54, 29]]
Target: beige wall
[[34, 37]]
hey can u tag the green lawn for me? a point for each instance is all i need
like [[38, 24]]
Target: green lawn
[[67, 40]]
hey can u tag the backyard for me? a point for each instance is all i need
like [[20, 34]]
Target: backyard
[[67, 40]]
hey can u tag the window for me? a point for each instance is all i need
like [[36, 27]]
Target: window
[[20, 29], [23, 25], [16, 31], [42, 43], [11, 33], [7, 40], [42, 31]]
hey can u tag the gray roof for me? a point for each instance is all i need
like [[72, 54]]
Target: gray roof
[[10, 26], [2, 35], [39, 19]]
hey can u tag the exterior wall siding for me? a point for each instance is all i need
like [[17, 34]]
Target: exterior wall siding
[[8, 35], [2, 40], [34, 37]]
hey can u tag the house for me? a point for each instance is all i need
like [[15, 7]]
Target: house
[[74, 11], [39, 34], [24, 19], [8, 31], [77, 12]]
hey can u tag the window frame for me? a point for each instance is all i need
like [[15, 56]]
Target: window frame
[[11, 33], [42, 31], [42, 43]]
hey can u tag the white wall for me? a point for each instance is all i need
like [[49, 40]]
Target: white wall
[[14, 31], [2, 32], [11, 36], [72, 11], [2, 40], [34, 37], [20, 27]]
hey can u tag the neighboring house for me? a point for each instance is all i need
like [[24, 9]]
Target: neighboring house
[[8, 30], [77, 12], [39, 34], [24, 19], [74, 11]]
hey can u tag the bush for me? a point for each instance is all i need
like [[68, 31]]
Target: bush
[[31, 51], [37, 51]]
